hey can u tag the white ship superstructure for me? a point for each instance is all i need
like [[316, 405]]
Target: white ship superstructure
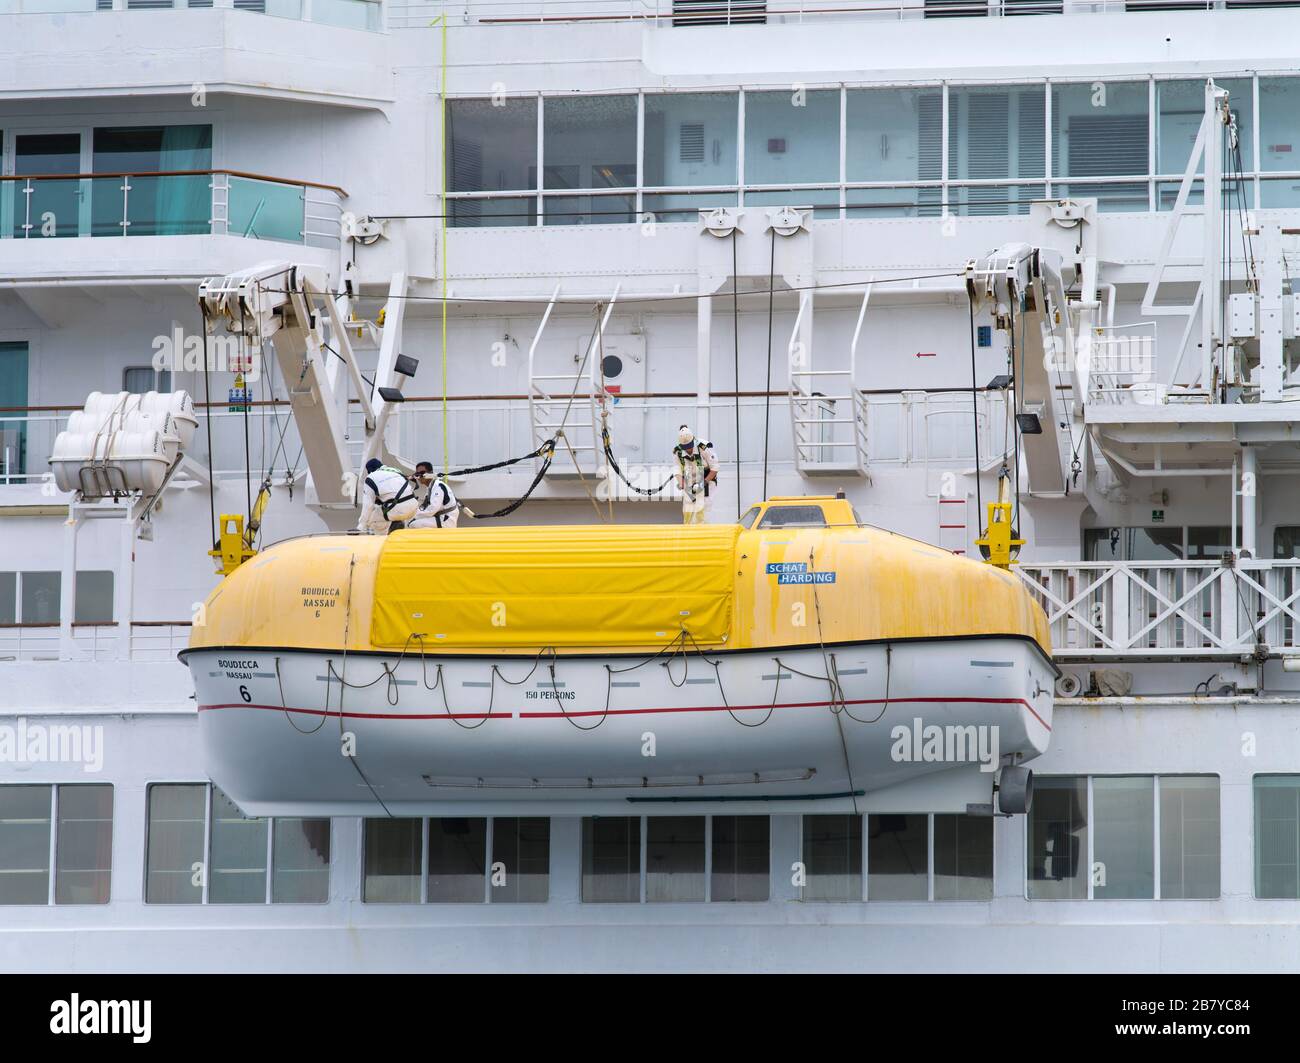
[[890, 248]]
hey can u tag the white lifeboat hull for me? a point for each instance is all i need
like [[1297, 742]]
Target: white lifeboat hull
[[916, 725]]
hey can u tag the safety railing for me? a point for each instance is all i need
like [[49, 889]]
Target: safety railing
[[150, 641], [170, 203], [346, 14], [1099, 610], [932, 428], [689, 13]]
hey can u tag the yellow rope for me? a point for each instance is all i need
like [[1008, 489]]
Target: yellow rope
[[446, 459]]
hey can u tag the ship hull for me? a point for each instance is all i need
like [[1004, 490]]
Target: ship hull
[[921, 725]]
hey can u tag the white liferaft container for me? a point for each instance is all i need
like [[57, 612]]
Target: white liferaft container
[[140, 455], [176, 406]]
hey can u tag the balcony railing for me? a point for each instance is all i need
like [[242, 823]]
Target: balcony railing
[[170, 203], [414, 14], [1179, 609], [347, 14], [150, 641]]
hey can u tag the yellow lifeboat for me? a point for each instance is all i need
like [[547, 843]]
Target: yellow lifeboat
[[800, 657]]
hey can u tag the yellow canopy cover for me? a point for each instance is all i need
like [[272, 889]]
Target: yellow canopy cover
[[543, 587]]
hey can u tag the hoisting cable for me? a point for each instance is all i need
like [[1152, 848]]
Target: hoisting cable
[[735, 340], [248, 461], [767, 389], [347, 623], [1016, 378], [207, 402], [975, 415]]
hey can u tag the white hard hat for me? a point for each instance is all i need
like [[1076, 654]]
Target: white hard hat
[[685, 437]]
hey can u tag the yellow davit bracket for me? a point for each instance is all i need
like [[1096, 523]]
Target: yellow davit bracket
[[232, 551], [997, 544]]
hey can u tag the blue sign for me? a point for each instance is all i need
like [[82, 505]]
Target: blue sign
[[786, 566]]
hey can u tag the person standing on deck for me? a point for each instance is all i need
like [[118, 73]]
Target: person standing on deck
[[697, 472]]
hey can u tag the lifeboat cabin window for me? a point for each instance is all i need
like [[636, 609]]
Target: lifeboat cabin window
[[747, 521], [793, 517]]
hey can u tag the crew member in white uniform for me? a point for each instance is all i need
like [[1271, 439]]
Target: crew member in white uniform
[[697, 472], [389, 499], [439, 508]]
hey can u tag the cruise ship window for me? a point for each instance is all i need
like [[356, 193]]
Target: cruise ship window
[[1057, 828], [139, 379], [792, 136], [83, 860], [174, 852], [25, 844], [897, 857], [674, 858], [392, 861], [1189, 836], [997, 132], [1277, 836], [238, 844], [589, 141], [793, 517], [1279, 139], [963, 858], [13, 392], [690, 139], [1113, 856], [1123, 842], [491, 148], [40, 597], [457, 860], [832, 858], [1180, 106], [300, 856], [8, 597], [611, 859], [82, 815], [1101, 129], [894, 134], [178, 204], [521, 859], [1286, 543], [741, 858]]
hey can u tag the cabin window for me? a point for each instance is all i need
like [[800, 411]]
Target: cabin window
[[611, 859], [793, 517], [898, 866], [630, 859], [81, 817], [1112, 853], [741, 853], [674, 858], [457, 858], [300, 861], [906, 857], [832, 858], [1277, 836], [184, 818], [747, 521], [238, 864], [963, 858], [453, 851], [392, 861], [34, 597], [521, 859]]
